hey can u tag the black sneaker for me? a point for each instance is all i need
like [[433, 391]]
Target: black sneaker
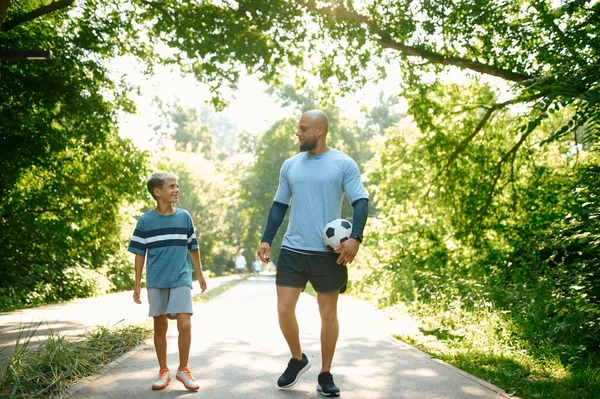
[[293, 371], [326, 386]]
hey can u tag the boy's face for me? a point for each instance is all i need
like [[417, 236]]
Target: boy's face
[[169, 191]]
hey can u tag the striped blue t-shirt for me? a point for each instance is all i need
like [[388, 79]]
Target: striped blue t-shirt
[[165, 240]]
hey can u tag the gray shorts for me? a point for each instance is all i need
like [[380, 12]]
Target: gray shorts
[[170, 301]]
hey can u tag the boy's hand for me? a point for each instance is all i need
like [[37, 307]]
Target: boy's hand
[[136, 295], [202, 282]]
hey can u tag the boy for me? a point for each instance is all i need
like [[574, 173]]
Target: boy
[[166, 235]]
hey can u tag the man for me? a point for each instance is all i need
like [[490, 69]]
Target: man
[[240, 263], [315, 180]]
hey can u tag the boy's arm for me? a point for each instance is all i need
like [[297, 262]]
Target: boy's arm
[[139, 266], [198, 265]]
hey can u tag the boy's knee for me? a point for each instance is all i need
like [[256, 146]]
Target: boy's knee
[[184, 322], [161, 326]]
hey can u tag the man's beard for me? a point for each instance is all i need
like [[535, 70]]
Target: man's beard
[[308, 146]]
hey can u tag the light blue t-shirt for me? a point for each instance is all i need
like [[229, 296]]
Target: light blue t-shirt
[[315, 186], [165, 240]]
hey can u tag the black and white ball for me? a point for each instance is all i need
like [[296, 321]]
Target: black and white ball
[[336, 232]]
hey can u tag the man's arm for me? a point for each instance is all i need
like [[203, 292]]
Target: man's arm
[[139, 266], [274, 220], [198, 265], [349, 248]]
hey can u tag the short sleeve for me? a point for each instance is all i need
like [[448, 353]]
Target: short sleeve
[[352, 184], [284, 193], [192, 241], [138, 243]]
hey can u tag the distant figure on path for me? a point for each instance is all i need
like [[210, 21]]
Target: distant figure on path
[[240, 262], [165, 235], [257, 265], [315, 181]]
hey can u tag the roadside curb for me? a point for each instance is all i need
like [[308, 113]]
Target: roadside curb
[[85, 381], [499, 391]]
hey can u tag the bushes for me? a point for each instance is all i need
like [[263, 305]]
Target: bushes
[[529, 250]]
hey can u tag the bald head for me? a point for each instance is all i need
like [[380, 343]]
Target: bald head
[[317, 117]]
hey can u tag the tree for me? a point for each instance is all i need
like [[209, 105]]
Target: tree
[[534, 254], [66, 173], [548, 55]]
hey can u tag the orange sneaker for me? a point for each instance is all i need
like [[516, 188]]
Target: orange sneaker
[[185, 376], [164, 377]]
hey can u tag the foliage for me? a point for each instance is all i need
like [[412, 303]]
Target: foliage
[[550, 54], [446, 246], [66, 171]]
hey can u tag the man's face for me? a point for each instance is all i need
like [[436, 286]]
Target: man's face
[[169, 191], [307, 134]]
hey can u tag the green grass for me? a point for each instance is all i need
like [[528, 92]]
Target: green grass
[[486, 344], [215, 292], [47, 369]]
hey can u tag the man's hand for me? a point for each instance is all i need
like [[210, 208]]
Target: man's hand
[[348, 250], [264, 251], [136, 295], [202, 282]]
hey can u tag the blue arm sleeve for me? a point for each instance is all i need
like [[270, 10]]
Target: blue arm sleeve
[[276, 215], [359, 218]]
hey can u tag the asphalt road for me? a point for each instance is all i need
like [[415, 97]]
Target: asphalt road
[[238, 352], [72, 318]]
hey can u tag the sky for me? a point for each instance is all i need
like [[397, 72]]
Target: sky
[[251, 108]]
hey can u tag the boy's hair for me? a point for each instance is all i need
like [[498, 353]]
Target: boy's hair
[[157, 180]]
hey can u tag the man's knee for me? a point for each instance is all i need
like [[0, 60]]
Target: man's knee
[[285, 308], [328, 313]]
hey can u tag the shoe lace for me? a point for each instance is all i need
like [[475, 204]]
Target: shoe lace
[[187, 373], [162, 373]]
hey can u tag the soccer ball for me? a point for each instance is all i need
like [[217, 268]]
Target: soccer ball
[[336, 232]]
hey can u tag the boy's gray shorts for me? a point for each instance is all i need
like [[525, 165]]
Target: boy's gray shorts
[[170, 301]]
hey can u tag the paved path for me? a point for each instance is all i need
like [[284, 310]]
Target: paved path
[[73, 317], [238, 352]]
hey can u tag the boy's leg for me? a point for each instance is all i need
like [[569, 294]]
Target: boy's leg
[[184, 326], [287, 298], [329, 327], [161, 324]]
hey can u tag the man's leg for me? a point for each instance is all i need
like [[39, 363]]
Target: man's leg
[[287, 298], [161, 324], [329, 327], [184, 326]]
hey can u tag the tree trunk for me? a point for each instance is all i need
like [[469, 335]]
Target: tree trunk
[[3, 7], [57, 5]]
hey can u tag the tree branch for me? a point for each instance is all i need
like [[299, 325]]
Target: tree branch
[[463, 144], [481, 213], [436, 58], [57, 5]]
